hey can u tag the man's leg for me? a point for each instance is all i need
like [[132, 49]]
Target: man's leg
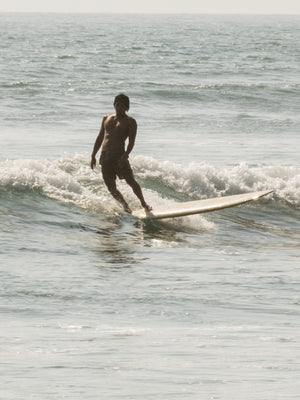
[[125, 172], [137, 191], [110, 182]]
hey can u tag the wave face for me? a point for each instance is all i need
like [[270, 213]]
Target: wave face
[[70, 180]]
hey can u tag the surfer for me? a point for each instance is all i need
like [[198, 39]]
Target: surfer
[[114, 131]]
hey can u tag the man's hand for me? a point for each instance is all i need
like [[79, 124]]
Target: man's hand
[[93, 162]]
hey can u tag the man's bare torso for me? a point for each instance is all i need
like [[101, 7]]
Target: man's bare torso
[[116, 131]]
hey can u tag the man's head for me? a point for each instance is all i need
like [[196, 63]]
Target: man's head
[[122, 98]]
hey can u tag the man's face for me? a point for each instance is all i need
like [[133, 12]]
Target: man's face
[[120, 107]]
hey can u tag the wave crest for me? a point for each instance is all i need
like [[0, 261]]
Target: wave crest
[[70, 179], [204, 181]]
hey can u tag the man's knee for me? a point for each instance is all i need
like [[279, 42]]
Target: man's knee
[[131, 181]]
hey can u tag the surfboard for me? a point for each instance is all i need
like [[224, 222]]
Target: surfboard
[[198, 206]]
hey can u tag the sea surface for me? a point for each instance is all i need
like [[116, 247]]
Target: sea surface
[[96, 305]]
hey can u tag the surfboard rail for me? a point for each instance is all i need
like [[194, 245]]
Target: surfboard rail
[[198, 206]]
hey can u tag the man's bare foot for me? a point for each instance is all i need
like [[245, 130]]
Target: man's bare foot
[[127, 208], [147, 207]]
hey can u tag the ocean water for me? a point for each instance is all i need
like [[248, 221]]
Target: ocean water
[[97, 305]]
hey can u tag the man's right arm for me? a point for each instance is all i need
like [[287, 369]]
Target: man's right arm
[[98, 143]]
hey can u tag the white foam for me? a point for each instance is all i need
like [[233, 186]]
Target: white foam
[[70, 180], [204, 181]]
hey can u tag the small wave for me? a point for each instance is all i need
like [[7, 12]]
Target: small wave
[[19, 84], [65, 56], [70, 180], [106, 330], [204, 181]]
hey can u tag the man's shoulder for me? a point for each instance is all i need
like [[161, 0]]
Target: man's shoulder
[[131, 120], [107, 118]]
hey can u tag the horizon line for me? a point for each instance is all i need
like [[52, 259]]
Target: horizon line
[[151, 13]]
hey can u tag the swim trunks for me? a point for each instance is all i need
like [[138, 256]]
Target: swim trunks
[[111, 169]]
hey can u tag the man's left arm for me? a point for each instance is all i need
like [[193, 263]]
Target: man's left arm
[[131, 138]]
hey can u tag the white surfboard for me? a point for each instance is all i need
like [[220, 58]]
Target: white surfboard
[[198, 206]]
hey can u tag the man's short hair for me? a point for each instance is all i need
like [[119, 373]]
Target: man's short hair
[[123, 99]]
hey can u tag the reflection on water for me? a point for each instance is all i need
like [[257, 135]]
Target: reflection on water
[[113, 245], [124, 241], [121, 242]]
